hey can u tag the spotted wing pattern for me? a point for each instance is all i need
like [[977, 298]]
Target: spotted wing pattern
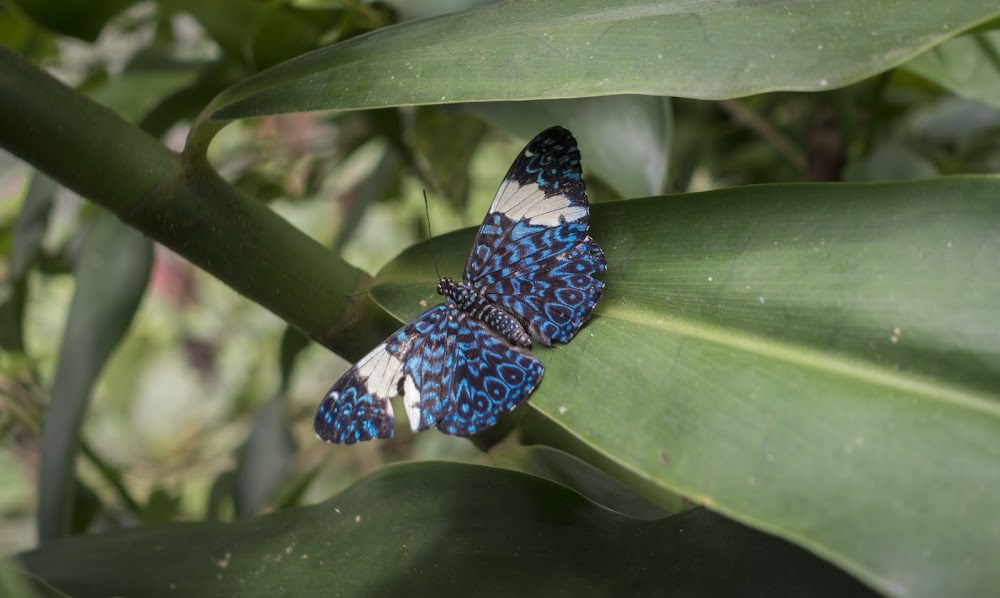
[[533, 258], [490, 378], [532, 254], [357, 407], [455, 373]]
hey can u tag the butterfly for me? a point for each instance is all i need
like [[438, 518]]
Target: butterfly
[[464, 362]]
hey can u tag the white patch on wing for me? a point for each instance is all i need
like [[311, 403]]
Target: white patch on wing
[[411, 400], [528, 202], [381, 372]]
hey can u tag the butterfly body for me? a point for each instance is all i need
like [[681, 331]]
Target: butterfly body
[[469, 300], [529, 275]]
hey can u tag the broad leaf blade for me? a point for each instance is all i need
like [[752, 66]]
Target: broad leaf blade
[[817, 360], [438, 529], [531, 50]]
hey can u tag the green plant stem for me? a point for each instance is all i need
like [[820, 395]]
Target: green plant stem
[[181, 203]]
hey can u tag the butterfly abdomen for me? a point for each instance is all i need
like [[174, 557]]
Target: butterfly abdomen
[[496, 318]]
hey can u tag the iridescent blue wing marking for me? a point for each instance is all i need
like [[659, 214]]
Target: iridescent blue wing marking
[[532, 254], [455, 374], [357, 407], [533, 258], [490, 378]]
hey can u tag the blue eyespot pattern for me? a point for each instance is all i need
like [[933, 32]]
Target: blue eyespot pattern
[[463, 363]]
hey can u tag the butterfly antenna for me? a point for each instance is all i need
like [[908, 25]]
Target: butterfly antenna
[[427, 212]]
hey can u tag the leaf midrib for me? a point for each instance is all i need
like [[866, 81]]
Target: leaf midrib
[[807, 356]]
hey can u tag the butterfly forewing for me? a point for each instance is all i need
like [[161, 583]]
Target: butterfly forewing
[[532, 254]]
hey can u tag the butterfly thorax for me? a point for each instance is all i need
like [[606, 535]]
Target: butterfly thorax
[[466, 298]]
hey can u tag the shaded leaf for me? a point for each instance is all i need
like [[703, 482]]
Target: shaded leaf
[[29, 230], [968, 65], [579, 475], [890, 161], [447, 143], [626, 138], [111, 278], [162, 505], [82, 20], [264, 458], [441, 529], [15, 582]]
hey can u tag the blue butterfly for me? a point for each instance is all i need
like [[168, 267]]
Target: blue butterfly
[[463, 363]]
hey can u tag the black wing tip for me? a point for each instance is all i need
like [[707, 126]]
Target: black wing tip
[[555, 137], [558, 133], [552, 160]]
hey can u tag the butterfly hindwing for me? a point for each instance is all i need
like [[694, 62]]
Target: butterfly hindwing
[[455, 374], [490, 378], [357, 407], [532, 254]]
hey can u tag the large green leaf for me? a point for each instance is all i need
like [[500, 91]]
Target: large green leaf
[[440, 529], [528, 50], [819, 361]]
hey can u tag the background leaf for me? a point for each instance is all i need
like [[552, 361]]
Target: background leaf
[[29, 230], [627, 137], [111, 278], [441, 529], [84, 21], [968, 65]]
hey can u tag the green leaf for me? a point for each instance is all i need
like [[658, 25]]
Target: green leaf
[[440, 529], [530, 50], [626, 137], [444, 146], [29, 230], [968, 66], [579, 475], [111, 278], [265, 457], [135, 93], [818, 361], [15, 582], [259, 34], [890, 161], [82, 20]]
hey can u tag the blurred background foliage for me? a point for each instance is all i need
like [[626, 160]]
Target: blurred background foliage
[[179, 396], [204, 411]]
